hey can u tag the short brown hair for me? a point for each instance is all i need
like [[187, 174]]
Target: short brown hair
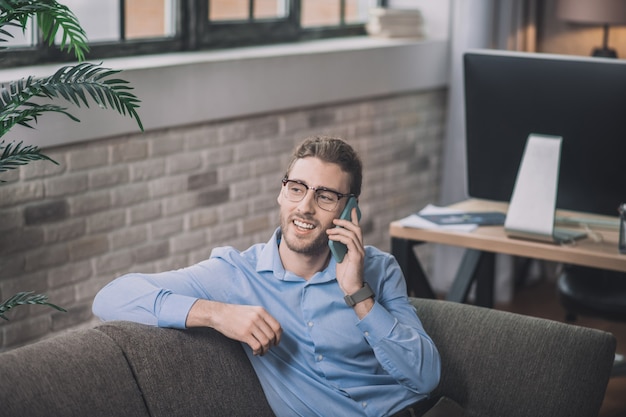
[[332, 150]]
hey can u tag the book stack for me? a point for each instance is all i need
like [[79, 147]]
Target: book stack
[[395, 23]]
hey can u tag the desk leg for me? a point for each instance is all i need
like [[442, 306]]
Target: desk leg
[[476, 266], [416, 281], [485, 280]]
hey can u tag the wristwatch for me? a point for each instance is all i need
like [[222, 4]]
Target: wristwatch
[[362, 294]]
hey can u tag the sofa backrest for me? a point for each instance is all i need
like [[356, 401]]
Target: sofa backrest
[[187, 373], [499, 364], [77, 374]]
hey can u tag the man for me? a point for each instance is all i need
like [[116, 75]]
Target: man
[[315, 353]]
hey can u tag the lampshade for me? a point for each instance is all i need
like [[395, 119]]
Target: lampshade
[[611, 12], [598, 12]]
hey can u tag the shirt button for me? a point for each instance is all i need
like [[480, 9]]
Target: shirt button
[[364, 404], [366, 333], [319, 358], [310, 324]]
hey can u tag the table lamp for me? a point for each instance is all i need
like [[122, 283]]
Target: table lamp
[[598, 12]]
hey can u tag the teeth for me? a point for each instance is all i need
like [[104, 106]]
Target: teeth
[[303, 225]]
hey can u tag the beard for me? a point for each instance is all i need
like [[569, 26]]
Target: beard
[[311, 245]]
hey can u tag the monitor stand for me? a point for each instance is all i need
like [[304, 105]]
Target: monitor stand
[[533, 203]]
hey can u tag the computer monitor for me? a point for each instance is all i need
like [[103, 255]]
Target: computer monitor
[[510, 95]]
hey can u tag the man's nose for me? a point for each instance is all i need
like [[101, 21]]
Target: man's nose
[[308, 204]]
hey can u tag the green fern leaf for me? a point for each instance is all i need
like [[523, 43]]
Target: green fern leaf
[[26, 298]]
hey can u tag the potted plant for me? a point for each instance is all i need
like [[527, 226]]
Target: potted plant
[[23, 101]]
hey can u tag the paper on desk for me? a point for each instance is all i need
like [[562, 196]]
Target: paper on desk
[[417, 222]]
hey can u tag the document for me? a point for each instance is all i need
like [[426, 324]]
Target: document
[[444, 218]]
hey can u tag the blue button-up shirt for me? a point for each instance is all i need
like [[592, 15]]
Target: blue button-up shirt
[[328, 362]]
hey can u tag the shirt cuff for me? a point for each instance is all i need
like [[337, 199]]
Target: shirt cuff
[[174, 311], [377, 324]]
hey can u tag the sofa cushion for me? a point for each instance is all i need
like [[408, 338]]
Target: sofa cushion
[[497, 364], [78, 374], [195, 372]]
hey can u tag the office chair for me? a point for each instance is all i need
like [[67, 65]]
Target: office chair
[[594, 293]]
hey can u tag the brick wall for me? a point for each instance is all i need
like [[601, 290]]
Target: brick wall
[[163, 199]]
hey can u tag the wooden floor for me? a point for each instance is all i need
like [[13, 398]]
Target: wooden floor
[[539, 299]]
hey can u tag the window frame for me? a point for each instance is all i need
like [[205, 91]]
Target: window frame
[[194, 32]]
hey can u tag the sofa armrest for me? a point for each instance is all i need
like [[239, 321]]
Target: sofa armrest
[[187, 373], [81, 373], [500, 364]]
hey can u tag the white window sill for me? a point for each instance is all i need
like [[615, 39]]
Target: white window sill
[[186, 88]]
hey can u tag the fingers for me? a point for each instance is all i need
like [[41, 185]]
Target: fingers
[[252, 325], [263, 333]]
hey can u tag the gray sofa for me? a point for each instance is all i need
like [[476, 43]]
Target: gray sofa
[[495, 364]]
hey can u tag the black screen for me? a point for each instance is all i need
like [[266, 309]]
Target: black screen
[[511, 95]]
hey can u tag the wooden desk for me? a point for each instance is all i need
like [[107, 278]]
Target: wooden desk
[[484, 242]]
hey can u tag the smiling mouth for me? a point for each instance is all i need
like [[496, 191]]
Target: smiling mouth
[[303, 225]]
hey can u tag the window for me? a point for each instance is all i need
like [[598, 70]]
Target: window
[[135, 27]]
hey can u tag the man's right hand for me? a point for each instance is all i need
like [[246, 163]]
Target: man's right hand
[[252, 325]]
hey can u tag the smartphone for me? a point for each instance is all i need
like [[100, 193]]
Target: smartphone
[[338, 249]]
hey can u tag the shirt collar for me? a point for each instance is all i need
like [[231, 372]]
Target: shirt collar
[[269, 260]]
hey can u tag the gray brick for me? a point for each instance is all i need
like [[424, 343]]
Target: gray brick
[[132, 150], [147, 170], [205, 179], [66, 185], [166, 227], [202, 218], [92, 157], [69, 273], [109, 176], [75, 315], [263, 127], [167, 186], [18, 332], [46, 257], [214, 196], [233, 211], [113, 262], [16, 240], [11, 218], [234, 172], [128, 236], [187, 241], [182, 163], [106, 221], [218, 157], [88, 246], [242, 190], [251, 150], [47, 212], [203, 137], [144, 212], [321, 117], [65, 231], [163, 144], [13, 194], [90, 203], [152, 251], [11, 266], [253, 224], [41, 169], [35, 282], [129, 194], [222, 234], [179, 204]]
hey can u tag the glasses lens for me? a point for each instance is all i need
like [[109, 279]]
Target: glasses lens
[[327, 200], [295, 191]]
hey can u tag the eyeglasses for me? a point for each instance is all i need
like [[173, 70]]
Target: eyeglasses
[[326, 199]]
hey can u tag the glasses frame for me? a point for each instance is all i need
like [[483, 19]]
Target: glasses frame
[[286, 180]]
